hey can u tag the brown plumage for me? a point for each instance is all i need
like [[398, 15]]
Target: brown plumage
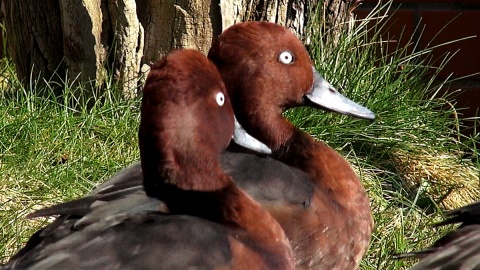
[[211, 224], [458, 249], [333, 231], [309, 188]]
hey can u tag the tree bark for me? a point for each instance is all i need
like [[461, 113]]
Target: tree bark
[[85, 40], [337, 15], [83, 53], [128, 43], [178, 24], [34, 35]]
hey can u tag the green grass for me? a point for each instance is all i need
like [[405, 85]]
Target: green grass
[[51, 153], [412, 155]]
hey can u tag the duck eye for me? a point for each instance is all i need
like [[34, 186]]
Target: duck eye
[[220, 98], [286, 57]]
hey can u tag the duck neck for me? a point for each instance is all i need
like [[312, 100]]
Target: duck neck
[[228, 205], [261, 230], [184, 165], [272, 129], [327, 169], [187, 184], [195, 185]]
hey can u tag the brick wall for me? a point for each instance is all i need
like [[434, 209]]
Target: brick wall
[[463, 19]]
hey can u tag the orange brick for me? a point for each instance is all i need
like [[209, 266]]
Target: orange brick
[[468, 105], [424, 1], [399, 29], [467, 60], [468, 100]]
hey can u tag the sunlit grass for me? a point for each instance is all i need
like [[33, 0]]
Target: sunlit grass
[[51, 153], [412, 159]]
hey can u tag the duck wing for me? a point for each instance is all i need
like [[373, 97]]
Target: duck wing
[[164, 242], [267, 180], [458, 249]]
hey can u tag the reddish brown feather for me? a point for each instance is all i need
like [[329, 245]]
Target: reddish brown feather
[[173, 115], [335, 229], [185, 171]]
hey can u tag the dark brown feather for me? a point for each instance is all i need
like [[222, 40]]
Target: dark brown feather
[[458, 249], [211, 223], [335, 229]]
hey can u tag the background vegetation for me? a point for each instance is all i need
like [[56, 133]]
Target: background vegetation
[[412, 159]]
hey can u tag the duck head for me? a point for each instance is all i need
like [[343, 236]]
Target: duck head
[[183, 146], [266, 70]]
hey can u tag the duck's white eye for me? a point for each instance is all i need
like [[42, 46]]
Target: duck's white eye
[[220, 99], [286, 57]]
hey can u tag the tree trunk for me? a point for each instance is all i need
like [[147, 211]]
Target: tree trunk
[[178, 24], [337, 16], [85, 40], [82, 49], [128, 44], [34, 42]]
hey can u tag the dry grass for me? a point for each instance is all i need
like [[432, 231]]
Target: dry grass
[[405, 186], [442, 176]]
